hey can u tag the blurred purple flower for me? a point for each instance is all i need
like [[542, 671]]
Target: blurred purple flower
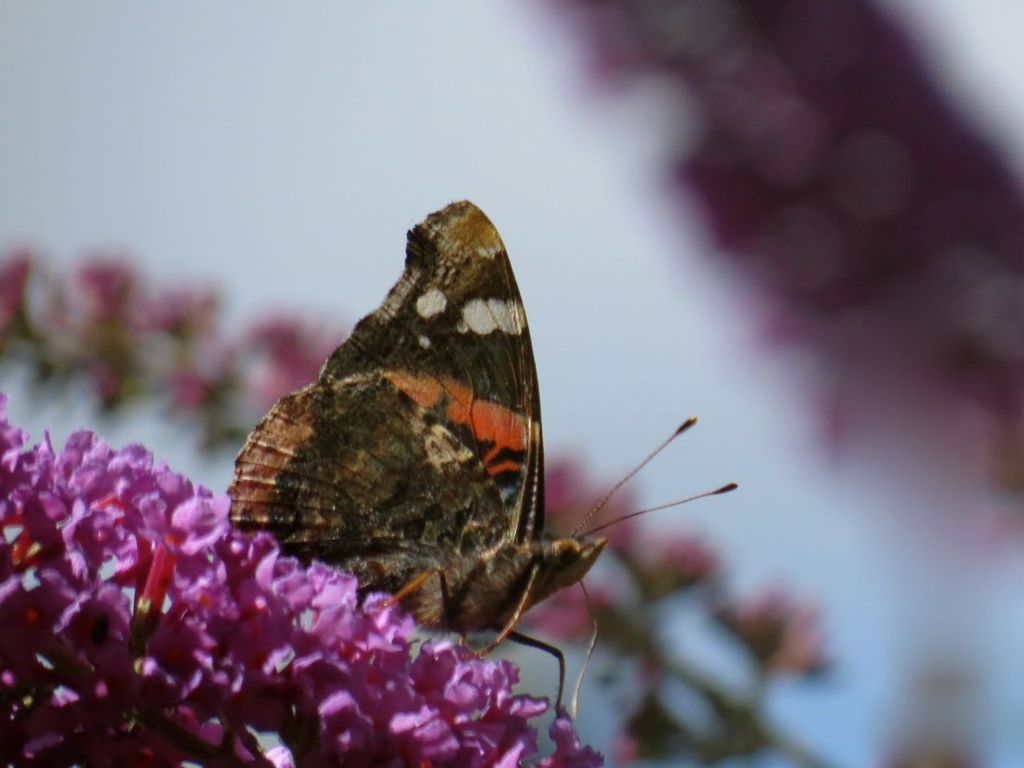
[[128, 339], [664, 562], [571, 495], [106, 289], [884, 228], [782, 634], [14, 270], [290, 356], [87, 326], [191, 388], [139, 628], [181, 312], [567, 614]]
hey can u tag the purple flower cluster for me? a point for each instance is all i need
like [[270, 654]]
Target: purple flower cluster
[[140, 629]]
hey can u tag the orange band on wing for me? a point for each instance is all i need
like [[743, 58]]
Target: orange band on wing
[[423, 389], [489, 422], [508, 465]]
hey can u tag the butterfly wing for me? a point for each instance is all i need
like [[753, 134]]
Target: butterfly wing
[[452, 334], [422, 432], [357, 474]]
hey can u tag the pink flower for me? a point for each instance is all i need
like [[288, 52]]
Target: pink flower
[[569, 753]]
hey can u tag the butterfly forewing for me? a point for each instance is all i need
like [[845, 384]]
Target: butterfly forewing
[[454, 336], [422, 434]]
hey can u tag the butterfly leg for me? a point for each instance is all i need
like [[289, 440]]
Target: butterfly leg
[[508, 632], [540, 645], [412, 585], [517, 614]]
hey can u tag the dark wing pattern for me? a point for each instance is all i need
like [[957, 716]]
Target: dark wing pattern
[[357, 474], [422, 432], [454, 332]]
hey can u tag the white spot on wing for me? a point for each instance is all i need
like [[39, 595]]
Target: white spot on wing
[[443, 450], [424, 342], [432, 302], [489, 251], [484, 316]]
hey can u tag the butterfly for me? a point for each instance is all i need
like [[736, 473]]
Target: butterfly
[[416, 459]]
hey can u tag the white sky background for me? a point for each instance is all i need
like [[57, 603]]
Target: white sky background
[[282, 155]]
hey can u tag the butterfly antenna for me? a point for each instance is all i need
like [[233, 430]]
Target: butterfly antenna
[[727, 488], [574, 703], [633, 472]]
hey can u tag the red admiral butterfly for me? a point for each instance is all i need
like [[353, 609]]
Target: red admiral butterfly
[[415, 460]]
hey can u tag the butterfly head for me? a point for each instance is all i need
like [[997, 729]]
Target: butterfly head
[[565, 562]]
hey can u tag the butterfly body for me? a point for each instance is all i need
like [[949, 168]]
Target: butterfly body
[[415, 460]]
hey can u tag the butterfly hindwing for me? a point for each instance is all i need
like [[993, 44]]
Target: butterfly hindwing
[[356, 473]]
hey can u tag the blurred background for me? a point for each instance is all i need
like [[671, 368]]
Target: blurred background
[[800, 221]]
